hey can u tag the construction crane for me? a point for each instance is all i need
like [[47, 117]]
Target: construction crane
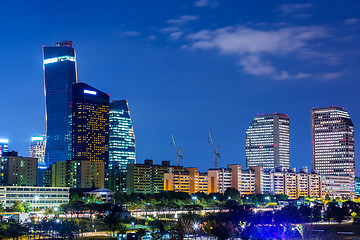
[[178, 153], [216, 152]]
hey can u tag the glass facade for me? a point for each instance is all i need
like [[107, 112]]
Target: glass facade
[[90, 124], [60, 74], [332, 141], [4, 147], [37, 150], [268, 142], [121, 144]]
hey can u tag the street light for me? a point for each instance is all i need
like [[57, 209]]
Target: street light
[[56, 209], [196, 227], [214, 197]]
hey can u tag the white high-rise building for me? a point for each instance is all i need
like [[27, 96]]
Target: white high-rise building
[[37, 149], [332, 141], [267, 142]]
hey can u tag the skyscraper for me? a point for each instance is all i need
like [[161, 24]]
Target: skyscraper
[[332, 141], [37, 149], [4, 147], [90, 124], [267, 142], [60, 75], [121, 144]]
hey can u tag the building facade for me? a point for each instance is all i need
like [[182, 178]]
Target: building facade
[[332, 141], [18, 171], [121, 144], [190, 181], [90, 124], [37, 149], [4, 147], [78, 174], [60, 74], [39, 197], [147, 177], [267, 142]]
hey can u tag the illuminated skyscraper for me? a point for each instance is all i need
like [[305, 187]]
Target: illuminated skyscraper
[[90, 123], [121, 144], [37, 149], [60, 75], [267, 142], [3, 146], [332, 141]]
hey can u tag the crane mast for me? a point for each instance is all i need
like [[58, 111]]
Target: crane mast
[[178, 153], [216, 152]]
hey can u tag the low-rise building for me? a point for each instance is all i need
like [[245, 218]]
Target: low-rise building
[[190, 180], [39, 197], [337, 186]]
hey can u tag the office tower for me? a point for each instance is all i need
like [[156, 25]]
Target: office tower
[[3, 146], [121, 144], [332, 141], [60, 75], [267, 142], [37, 150], [90, 124], [18, 171]]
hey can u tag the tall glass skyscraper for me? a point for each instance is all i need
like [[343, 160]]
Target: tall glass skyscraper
[[60, 75], [267, 142], [121, 145], [332, 141], [37, 149], [90, 124], [3, 146]]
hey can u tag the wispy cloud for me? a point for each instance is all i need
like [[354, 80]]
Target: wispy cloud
[[351, 21], [254, 46], [206, 3], [130, 33], [294, 8], [183, 19], [330, 76]]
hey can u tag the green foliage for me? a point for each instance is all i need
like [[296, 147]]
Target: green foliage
[[112, 222], [141, 232], [27, 206], [67, 229], [18, 207]]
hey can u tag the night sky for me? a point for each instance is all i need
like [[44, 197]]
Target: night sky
[[187, 67]]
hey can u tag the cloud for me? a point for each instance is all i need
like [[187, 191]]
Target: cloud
[[131, 33], [152, 37], [206, 3], [291, 8], [351, 21], [253, 46], [330, 76], [176, 35], [182, 19]]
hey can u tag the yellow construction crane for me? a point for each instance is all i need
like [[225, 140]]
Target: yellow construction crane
[[178, 153], [216, 152]]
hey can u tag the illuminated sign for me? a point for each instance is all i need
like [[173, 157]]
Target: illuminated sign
[[4, 141], [37, 138], [89, 92], [59, 59]]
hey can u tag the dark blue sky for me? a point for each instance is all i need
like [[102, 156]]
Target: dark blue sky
[[187, 67]]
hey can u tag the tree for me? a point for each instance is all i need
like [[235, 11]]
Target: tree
[[141, 232], [68, 228], [112, 222], [231, 193], [122, 229], [27, 207], [18, 207], [221, 231]]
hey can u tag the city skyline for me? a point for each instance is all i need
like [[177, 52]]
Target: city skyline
[[175, 80]]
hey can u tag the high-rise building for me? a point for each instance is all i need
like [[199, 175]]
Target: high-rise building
[[332, 141], [147, 177], [4, 147], [121, 144], [76, 174], [90, 124], [18, 171], [60, 74], [37, 149], [267, 142]]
